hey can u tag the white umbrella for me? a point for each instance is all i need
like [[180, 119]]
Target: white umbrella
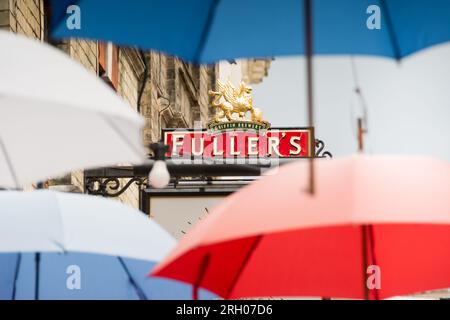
[[49, 221], [408, 107], [55, 116]]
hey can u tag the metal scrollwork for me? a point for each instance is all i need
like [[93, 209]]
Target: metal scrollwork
[[110, 187], [320, 145]]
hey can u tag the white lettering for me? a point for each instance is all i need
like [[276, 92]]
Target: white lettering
[[252, 146], [177, 141], [73, 281], [295, 143], [274, 143]]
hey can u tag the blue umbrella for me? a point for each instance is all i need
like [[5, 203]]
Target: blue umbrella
[[57, 245], [204, 31], [75, 276]]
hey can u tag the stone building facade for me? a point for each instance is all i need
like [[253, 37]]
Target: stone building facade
[[166, 91]]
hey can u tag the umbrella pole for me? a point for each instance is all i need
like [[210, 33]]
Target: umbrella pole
[[360, 136], [309, 80], [37, 259], [361, 132]]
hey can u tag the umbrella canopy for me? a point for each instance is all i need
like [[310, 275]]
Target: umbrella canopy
[[405, 100], [49, 221], [274, 239], [84, 276], [69, 246], [56, 117], [204, 31]]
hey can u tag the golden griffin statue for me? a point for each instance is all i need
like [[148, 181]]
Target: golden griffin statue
[[233, 104]]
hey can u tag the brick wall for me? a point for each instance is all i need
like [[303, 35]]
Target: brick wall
[[5, 15], [131, 71], [84, 52], [23, 16]]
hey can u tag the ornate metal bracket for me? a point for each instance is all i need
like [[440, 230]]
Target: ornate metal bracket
[[320, 145], [110, 187]]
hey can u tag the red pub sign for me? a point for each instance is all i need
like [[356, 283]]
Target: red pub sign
[[231, 134], [240, 143]]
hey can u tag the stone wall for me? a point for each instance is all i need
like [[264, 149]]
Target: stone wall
[[165, 90], [130, 73], [168, 92]]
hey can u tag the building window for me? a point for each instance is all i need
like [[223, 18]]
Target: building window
[[45, 18], [108, 59]]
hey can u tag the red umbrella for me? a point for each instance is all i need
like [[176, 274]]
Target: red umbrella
[[377, 227]]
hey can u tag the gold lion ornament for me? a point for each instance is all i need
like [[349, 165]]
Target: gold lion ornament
[[235, 103]]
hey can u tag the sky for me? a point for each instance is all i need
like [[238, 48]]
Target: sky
[[407, 102]]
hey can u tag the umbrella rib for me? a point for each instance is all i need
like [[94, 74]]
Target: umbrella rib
[[62, 244], [201, 274], [9, 163], [358, 92], [244, 264], [16, 275], [121, 135], [136, 287], [206, 29], [390, 27]]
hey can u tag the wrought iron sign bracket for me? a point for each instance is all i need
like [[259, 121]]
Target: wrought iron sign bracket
[[111, 186], [320, 145]]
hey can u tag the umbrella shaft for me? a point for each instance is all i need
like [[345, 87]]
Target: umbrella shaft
[[309, 79], [309, 56]]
